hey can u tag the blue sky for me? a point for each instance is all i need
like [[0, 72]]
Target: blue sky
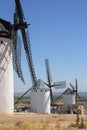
[[58, 31]]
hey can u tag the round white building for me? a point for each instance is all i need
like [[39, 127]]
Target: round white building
[[40, 98], [6, 70], [69, 97]]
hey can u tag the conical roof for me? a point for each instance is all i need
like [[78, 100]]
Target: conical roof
[[40, 85], [68, 91], [5, 30], [2, 28]]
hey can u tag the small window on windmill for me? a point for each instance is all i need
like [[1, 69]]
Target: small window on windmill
[[1, 42], [41, 90], [35, 90]]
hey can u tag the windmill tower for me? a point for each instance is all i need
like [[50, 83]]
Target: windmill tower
[[6, 69], [40, 98], [68, 97], [10, 47]]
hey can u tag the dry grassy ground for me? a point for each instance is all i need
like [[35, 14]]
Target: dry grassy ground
[[40, 121]]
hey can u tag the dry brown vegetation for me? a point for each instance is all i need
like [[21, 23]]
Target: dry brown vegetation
[[31, 121]]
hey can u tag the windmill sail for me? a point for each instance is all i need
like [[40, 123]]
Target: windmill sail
[[56, 85], [27, 46], [20, 24], [60, 85], [16, 48], [22, 96], [75, 90], [49, 78], [17, 59]]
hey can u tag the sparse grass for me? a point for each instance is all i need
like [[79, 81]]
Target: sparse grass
[[7, 127], [43, 122], [19, 123], [62, 118], [73, 125], [39, 126], [79, 126], [85, 124], [25, 126], [54, 116], [58, 126]]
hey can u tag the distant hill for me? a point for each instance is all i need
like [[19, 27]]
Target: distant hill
[[20, 94]]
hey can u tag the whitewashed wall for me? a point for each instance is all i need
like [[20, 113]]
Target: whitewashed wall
[[6, 77], [40, 100], [69, 99]]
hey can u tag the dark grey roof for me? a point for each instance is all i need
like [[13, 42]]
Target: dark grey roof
[[68, 91], [40, 85], [5, 28], [2, 28], [6, 24]]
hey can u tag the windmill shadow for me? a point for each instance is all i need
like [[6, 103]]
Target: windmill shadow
[[5, 57]]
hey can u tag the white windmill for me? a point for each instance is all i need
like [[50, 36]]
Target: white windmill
[[10, 46], [6, 69]]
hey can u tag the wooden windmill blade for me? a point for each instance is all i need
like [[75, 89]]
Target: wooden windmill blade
[[77, 94], [22, 96], [21, 25], [76, 89], [59, 96], [76, 84], [16, 49], [49, 78], [73, 88], [59, 85], [56, 85]]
